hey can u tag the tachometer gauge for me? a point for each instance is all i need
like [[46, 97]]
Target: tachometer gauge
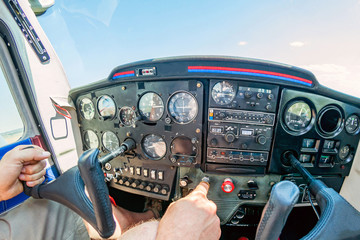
[[90, 139], [352, 124], [87, 109], [182, 107], [183, 146], [223, 93], [110, 141], [151, 106], [106, 107], [127, 116], [153, 146], [298, 116]]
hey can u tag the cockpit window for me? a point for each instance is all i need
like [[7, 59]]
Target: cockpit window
[[92, 38], [11, 125]]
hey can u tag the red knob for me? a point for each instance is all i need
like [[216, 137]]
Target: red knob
[[228, 185]]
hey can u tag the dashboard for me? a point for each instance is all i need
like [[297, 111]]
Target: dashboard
[[231, 119]]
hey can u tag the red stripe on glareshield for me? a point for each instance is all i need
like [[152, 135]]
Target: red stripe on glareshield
[[249, 71]]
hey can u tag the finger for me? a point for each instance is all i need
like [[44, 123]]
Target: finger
[[34, 183], [32, 177], [33, 168], [24, 154], [202, 189]]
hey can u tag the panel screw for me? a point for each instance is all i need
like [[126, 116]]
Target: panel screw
[[128, 134], [198, 130], [198, 85], [123, 88], [108, 166]]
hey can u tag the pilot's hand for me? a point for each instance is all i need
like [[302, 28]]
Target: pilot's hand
[[23, 163], [192, 217]]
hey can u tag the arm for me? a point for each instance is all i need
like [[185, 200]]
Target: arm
[[23, 163]]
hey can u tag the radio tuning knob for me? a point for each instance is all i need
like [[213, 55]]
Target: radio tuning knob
[[214, 142], [230, 137], [248, 94], [261, 139], [259, 95]]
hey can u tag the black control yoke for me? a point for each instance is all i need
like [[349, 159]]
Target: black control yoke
[[69, 189], [338, 220]]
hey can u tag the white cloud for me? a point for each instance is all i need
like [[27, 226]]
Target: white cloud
[[242, 43], [297, 44]]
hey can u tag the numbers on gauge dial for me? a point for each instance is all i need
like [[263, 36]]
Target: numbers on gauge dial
[[87, 109], [106, 107], [153, 146], [352, 124], [223, 93], [298, 116], [90, 139], [151, 106], [110, 141], [127, 116], [183, 107]]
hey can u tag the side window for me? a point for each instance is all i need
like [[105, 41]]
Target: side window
[[11, 125]]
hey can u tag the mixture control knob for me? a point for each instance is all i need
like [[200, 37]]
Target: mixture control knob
[[230, 137], [128, 182], [157, 188], [122, 180], [259, 95], [164, 190], [261, 139], [228, 185], [248, 94], [135, 184], [142, 185], [149, 187]]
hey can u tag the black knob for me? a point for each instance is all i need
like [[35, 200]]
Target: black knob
[[259, 95], [240, 214], [128, 182], [268, 107], [248, 94], [270, 96], [149, 187], [164, 190], [222, 114], [268, 119], [252, 185], [142, 185], [214, 142], [261, 139], [135, 184], [157, 188], [123, 180], [230, 137], [184, 181], [173, 159]]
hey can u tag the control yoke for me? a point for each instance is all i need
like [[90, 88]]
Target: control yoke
[[69, 189], [338, 217]]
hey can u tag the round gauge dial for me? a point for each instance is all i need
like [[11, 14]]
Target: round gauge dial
[[151, 106], [154, 146], [344, 152], [106, 107], [90, 139], [298, 116], [87, 109], [352, 124], [110, 141], [127, 116], [183, 146], [223, 93], [183, 107]]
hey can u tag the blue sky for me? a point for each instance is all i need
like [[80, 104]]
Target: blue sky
[[93, 38]]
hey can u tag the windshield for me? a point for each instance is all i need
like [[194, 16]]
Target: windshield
[[321, 36]]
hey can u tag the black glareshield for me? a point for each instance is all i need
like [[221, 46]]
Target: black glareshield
[[69, 190]]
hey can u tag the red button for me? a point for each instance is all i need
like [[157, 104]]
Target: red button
[[227, 185]]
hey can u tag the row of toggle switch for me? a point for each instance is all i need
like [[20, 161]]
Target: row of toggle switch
[[142, 185]]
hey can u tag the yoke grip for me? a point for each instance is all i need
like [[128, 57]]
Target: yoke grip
[[69, 190]]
